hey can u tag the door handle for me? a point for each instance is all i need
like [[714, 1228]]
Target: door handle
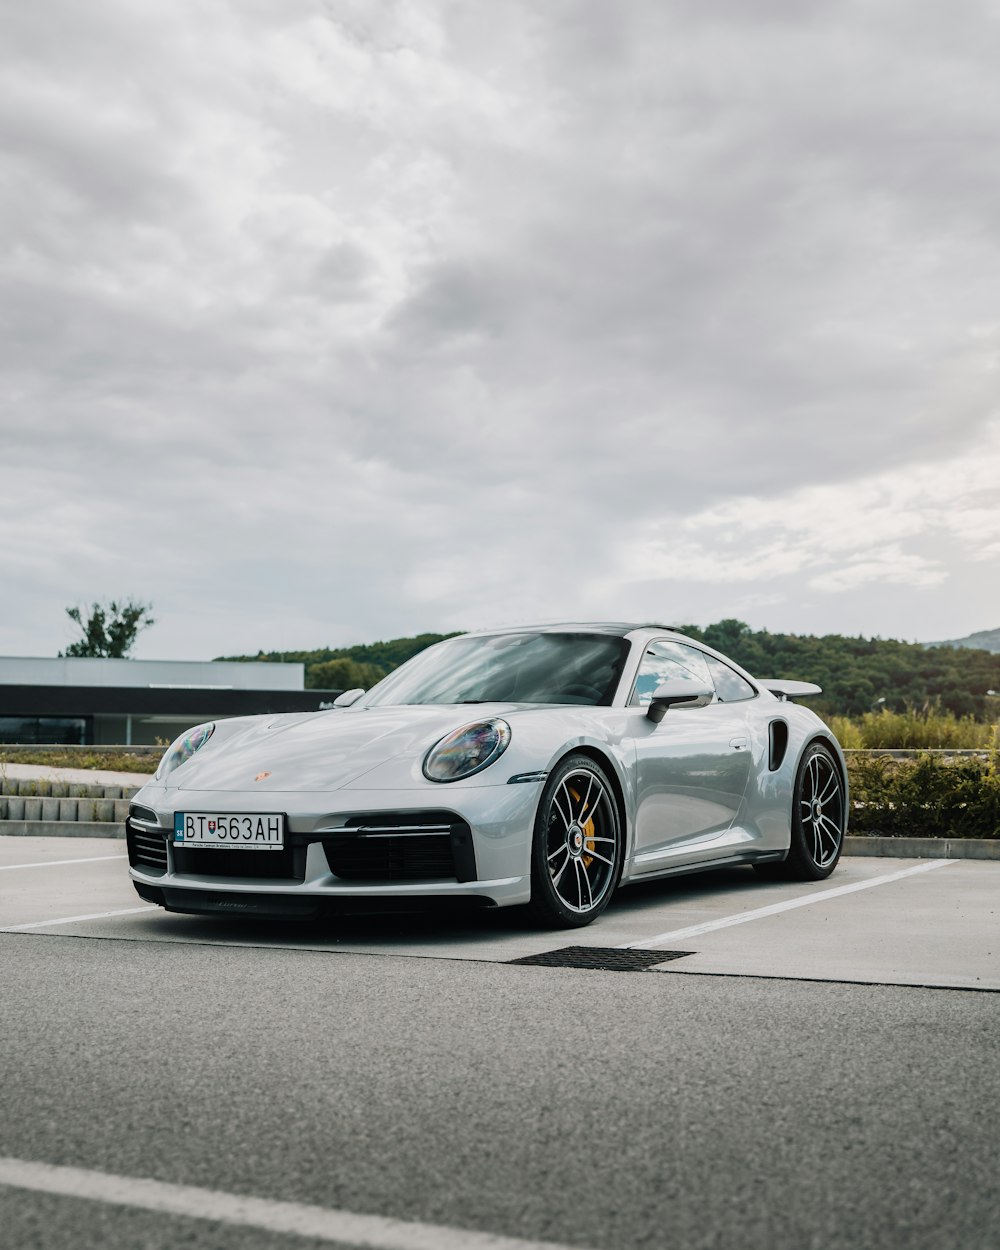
[[738, 744]]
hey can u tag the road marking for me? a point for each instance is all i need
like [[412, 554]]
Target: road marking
[[53, 863], [726, 922], [295, 1218], [97, 915]]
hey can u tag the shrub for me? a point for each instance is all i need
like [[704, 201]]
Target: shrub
[[926, 797], [343, 674]]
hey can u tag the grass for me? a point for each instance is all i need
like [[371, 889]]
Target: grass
[[114, 759], [915, 730]]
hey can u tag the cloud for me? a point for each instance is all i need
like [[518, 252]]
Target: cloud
[[327, 321], [838, 537]]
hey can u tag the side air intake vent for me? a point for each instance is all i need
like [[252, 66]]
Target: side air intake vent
[[777, 743], [147, 848]]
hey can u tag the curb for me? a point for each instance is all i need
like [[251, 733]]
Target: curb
[[61, 829], [924, 848]]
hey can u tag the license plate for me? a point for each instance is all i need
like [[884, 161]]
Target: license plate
[[250, 831]]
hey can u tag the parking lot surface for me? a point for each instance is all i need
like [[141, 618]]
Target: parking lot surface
[[815, 1070], [878, 921]]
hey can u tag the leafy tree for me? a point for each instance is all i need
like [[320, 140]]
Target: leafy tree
[[342, 674], [109, 630]]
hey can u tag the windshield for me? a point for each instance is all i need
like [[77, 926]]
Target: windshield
[[515, 668]]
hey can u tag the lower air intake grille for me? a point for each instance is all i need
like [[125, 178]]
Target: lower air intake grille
[[147, 848], [391, 859], [286, 865], [402, 846]]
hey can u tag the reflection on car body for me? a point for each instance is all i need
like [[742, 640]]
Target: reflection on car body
[[544, 766]]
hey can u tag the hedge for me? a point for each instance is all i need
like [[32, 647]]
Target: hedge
[[930, 796], [926, 797]]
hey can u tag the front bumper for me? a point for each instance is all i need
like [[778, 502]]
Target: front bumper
[[391, 849]]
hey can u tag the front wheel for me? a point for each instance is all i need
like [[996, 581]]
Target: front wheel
[[819, 819], [576, 854]]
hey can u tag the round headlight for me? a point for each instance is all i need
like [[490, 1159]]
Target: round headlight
[[180, 752], [467, 751]]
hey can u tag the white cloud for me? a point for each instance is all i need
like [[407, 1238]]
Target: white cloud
[[842, 536], [327, 321]]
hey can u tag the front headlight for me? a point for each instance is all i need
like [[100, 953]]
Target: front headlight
[[180, 752], [467, 751]]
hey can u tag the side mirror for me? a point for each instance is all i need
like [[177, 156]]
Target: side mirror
[[677, 694], [347, 698]]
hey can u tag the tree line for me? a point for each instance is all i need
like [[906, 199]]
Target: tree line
[[857, 674], [348, 668], [865, 674]]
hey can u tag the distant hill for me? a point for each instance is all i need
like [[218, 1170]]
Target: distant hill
[[985, 640], [857, 674], [863, 674]]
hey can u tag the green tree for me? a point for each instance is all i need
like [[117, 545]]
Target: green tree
[[343, 674], [109, 630]]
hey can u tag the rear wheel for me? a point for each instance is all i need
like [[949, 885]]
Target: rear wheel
[[576, 855], [819, 819]]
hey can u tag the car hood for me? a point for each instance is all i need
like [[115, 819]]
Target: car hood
[[320, 752]]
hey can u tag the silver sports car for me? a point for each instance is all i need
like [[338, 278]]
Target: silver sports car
[[543, 765]]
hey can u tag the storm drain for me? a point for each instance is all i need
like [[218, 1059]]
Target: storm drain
[[604, 958]]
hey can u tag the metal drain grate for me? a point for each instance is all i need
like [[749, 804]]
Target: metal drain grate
[[603, 958]]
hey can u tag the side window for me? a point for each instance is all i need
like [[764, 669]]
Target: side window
[[669, 661], [729, 686]]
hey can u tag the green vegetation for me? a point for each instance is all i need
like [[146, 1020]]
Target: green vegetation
[[347, 668], [115, 760], [927, 797], [860, 675], [913, 731], [109, 630], [931, 796]]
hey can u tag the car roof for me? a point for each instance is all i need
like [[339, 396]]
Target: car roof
[[620, 629], [635, 632]]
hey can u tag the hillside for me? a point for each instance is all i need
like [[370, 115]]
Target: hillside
[[984, 640], [857, 674]]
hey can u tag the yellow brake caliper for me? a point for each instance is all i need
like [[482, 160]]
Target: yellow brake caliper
[[588, 833]]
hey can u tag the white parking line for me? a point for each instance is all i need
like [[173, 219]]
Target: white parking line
[[97, 915], [726, 922], [295, 1218], [53, 863]]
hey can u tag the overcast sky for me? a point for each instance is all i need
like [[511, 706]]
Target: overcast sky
[[329, 322]]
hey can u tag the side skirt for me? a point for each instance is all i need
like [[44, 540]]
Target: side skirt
[[745, 858]]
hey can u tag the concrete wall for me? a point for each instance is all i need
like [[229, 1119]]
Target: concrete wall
[[162, 674]]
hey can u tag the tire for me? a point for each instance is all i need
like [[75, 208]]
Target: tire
[[819, 820], [577, 849]]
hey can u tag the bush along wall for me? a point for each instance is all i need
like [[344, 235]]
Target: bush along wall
[[926, 797]]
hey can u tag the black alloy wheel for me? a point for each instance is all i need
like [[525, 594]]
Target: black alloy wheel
[[576, 856], [819, 819]]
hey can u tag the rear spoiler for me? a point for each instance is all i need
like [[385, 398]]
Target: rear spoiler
[[791, 689]]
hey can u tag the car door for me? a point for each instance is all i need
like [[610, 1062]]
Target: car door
[[691, 769]]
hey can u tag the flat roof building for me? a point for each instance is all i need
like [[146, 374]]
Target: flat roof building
[[140, 702]]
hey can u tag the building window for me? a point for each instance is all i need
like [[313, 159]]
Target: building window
[[58, 730]]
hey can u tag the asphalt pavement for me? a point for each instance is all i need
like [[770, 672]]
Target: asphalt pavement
[[405, 1071]]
